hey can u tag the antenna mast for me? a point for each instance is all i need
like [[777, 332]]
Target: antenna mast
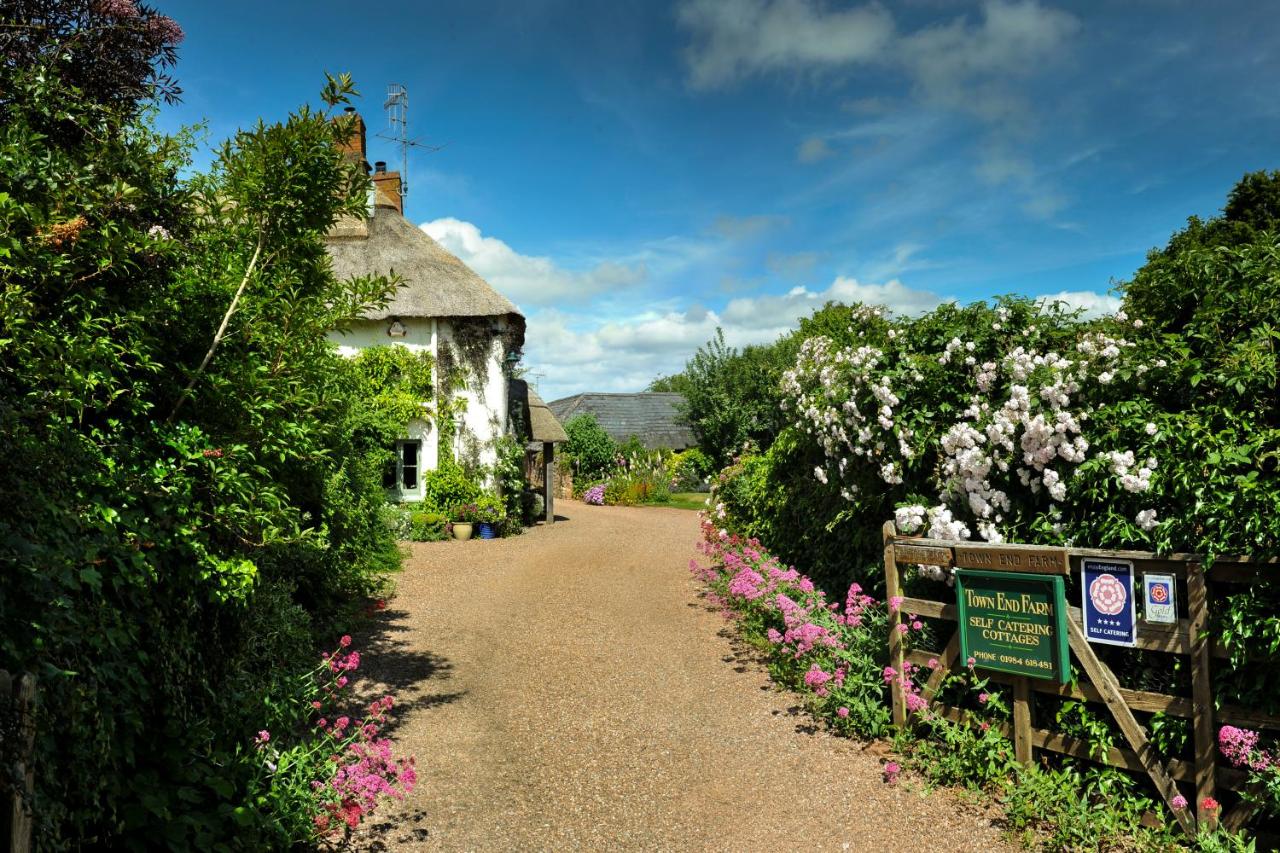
[[397, 107]]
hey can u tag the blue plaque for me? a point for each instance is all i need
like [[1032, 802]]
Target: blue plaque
[[1106, 592]]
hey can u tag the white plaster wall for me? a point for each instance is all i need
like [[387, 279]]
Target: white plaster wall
[[486, 414], [420, 335]]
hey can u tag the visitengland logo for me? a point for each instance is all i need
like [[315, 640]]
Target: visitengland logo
[[1107, 594]]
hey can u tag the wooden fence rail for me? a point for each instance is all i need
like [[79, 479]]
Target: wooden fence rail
[[1187, 637], [17, 776]]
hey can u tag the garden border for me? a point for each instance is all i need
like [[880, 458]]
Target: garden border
[[1187, 637]]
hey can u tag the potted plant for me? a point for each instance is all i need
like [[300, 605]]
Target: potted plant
[[464, 517], [489, 511]]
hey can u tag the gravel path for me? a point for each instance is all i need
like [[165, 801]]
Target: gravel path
[[566, 690]]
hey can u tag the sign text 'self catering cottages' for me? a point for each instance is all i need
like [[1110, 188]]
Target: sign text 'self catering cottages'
[[442, 305]]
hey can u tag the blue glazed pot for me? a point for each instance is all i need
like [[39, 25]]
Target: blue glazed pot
[[488, 530]]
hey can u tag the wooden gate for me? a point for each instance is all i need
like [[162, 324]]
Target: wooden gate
[[17, 778], [1188, 637]]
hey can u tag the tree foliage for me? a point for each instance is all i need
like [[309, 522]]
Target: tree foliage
[[184, 512], [590, 449]]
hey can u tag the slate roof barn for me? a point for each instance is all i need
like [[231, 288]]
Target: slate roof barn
[[651, 416]]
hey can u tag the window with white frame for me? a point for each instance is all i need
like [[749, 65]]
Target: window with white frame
[[406, 475]]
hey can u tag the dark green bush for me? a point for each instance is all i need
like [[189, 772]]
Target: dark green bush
[[590, 449], [446, 487]]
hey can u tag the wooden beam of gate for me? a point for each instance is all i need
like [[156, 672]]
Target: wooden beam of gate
[[1201, 692], [1103, 679], [892, 587], [945, 661]]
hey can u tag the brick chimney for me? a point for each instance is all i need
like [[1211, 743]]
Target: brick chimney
[[386, 188], [354, 146]]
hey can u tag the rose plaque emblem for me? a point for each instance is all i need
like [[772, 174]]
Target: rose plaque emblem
[[1107, 594]]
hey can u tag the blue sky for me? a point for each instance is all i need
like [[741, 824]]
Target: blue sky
[[634, 174]]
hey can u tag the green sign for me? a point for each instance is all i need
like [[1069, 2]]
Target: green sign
[[1013, 622]]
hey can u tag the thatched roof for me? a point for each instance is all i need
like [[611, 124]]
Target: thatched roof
[[436, 284], [650, 416], [540, 425]]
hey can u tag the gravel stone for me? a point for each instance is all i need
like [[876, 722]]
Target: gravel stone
[[568, 690]]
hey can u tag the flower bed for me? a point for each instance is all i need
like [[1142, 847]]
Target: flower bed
[[835, 655]]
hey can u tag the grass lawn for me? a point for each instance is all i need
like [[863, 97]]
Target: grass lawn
[[687, 500]]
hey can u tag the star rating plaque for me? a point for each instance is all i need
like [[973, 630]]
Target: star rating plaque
[[1107, 601]]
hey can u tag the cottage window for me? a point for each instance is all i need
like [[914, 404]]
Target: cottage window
[[404, 476]]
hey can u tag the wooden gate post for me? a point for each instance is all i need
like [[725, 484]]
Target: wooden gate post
[[20, 699], [1022, 748], [892, 588], [549, 482], [1201, 692]]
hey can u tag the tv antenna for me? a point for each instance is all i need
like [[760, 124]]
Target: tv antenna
[[397, 107]]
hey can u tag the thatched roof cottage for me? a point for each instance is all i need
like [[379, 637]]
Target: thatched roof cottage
[[474, 333]]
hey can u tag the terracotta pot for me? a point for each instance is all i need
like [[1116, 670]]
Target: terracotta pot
[[462, 530]]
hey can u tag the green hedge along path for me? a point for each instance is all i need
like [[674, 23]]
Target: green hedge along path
[[568, 690]]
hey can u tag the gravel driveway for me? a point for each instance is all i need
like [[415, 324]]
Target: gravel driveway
[[566, 690]]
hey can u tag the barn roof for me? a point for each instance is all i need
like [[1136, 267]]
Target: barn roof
[[651, 416], [436, 283]]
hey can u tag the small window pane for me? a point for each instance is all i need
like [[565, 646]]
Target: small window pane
[[409, 465]]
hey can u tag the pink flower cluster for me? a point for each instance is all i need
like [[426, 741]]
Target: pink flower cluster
[[364, 765], [756, 580], [1240, 746], [910, 691]]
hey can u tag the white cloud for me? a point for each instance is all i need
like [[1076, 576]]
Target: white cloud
[[958, 63], [746, 227], [739, 38], [528, 279], [574, 354], [814, 149], [1094, 304]]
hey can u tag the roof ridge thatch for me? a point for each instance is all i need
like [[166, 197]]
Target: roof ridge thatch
[[436, 282]]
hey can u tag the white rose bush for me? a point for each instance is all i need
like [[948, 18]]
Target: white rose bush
[[1154, 428]]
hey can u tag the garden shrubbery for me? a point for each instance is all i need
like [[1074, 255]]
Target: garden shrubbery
[[190, 514], [1156, 428]]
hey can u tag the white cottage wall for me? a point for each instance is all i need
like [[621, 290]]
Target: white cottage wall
[[420, 334], [486, 414]]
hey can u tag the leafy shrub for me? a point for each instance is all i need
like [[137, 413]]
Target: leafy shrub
[[447, 487], [428, 527], [489, 508], [197, 510], [690, 470], [590, 450]]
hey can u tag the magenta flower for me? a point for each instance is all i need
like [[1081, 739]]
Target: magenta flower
[[891, 771], [1179, 802], [1209, 804], [982, 698], [842, 712], [345, 641]]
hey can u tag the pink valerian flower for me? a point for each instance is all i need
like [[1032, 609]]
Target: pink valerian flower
[[889, 674], [916, 703], [345, 641], [970, 662], [774, 636], [983, 697], [933, 663], [902, 628], [263, 738], [817, 678], [917, 625], [1179, 802], [842, 712], [895, 602], [1240, 746], [1209, 804], [891, 771]]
